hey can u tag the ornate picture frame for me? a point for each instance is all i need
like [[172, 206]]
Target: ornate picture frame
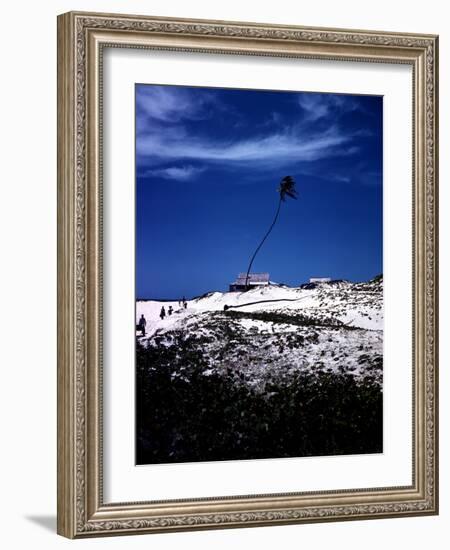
[[82, 38]]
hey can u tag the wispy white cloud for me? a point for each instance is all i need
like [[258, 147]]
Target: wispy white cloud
[[166, 116], [180, 173], [316, 106], [168, 104], [279, 147], [342, 179], [172, 104]]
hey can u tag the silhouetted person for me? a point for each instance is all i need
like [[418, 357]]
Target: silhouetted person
[[163, 313], [170, 310], [184, 303], [142, 324]]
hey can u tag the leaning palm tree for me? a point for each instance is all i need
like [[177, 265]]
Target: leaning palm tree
[[286, 189]]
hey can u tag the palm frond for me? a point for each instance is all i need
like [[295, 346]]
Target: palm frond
[[287, 188]]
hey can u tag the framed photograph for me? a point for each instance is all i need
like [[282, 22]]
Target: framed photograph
[[247, 274]]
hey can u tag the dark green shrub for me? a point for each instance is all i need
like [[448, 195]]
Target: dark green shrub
[[184, 414]]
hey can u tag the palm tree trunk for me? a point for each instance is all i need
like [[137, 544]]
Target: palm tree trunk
[[262, 242]]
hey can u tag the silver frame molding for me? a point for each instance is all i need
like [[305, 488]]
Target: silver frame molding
[[81, 39]]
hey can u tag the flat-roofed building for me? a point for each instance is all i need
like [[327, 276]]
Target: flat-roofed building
[[254, 280], [320, 279]]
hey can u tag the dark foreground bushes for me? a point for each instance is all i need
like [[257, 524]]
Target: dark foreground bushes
[[183, 415]]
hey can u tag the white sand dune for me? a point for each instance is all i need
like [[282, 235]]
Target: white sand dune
[[332, 327]]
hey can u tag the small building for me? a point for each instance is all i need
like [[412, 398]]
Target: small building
[[320, 280], [254, 280]]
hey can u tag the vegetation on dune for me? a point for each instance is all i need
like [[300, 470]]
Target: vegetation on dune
[[189, 412]]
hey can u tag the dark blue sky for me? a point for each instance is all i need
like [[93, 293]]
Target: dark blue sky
[[208, 165]]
